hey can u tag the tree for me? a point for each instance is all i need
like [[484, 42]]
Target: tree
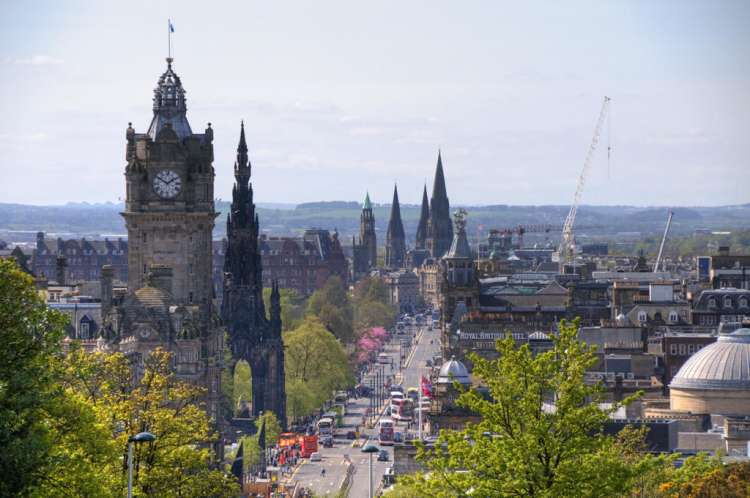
[[540, 433], [242, 381], [332, 306], [273, 427], [179, 462], [371, 305], [30, 334], [316, 365]]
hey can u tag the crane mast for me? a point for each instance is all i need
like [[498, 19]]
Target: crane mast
[[566, 250], [663, 240]]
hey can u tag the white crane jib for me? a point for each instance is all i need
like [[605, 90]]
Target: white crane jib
[[663, 240], [566, 251]]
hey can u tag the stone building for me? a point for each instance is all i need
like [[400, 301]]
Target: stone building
[[303, 263], [395, 239], [715, 306], [84, 257], [365, 253], [253, 336], [439, 226], [403, 289], [169, 215]]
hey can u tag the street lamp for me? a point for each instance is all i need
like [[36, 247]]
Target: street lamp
[[141, 437], [370, 448]]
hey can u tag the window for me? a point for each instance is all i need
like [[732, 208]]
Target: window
[[673, 317], [642, 316], [683, 350], [712, 302], [190, 297], [691, 348], [727, 302], [743, 302], [673, 349], [84, 328]]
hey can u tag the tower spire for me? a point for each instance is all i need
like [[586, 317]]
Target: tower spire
[[424, 217], [395, 245]]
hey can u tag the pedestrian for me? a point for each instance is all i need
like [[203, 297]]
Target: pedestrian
[[323, 472]]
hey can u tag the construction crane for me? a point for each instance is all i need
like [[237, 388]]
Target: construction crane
[[663, 240], [566, 251]]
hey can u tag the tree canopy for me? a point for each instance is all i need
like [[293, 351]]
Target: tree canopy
[[540, 430], [316, 365], [331, 304]]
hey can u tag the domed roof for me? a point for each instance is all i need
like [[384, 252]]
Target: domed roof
[[169, 105], [453, 370], [151, 297], [722, 365], [538, 336]]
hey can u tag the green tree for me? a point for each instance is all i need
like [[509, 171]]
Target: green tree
[[371, 305], [316, 365], [331, 304], [523, 446], [242, 381], [273, 427], [30, 334], [179, 462]]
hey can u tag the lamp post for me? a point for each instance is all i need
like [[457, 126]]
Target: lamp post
[[370, 448], [141, 437]]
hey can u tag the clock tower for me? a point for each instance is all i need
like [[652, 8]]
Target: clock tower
[[169, 214], [169, 207]]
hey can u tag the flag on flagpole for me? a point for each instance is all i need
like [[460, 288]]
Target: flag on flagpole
[[426, 386], [171, 26]]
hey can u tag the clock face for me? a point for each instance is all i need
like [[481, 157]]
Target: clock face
[[167, 184]]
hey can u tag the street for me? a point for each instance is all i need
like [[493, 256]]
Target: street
[[335, 460]]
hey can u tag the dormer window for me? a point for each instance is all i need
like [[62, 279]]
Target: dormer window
[[743, 302], [712, 302], [727, 302]]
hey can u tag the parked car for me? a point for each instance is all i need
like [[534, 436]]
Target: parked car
[[315, 457], [382, 456]]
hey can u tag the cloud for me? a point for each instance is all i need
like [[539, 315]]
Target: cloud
[[37, 60]]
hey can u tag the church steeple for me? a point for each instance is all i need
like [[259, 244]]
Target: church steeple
[[440, 228], [424, 217], [395, 244]]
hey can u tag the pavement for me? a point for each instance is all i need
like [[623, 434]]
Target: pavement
[[344, 452]]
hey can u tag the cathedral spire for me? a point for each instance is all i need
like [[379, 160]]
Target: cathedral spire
[[395, 244], [424, 216], [242, 166], [439, 227]]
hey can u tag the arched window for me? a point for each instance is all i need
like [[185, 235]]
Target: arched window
[[85, 328], [673, 318], [712, 302], [642, 316], [743, 302]]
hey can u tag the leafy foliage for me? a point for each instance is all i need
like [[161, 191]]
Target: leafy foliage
[[523, 446], [331, 304], [30, 335], [316, 365]]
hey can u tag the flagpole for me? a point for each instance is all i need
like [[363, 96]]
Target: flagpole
[[169, 38]]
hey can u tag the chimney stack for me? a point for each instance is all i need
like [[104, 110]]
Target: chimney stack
[[61, 269], [107, 275]]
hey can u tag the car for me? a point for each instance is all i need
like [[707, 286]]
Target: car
[[351, 435], [383, 456], [327, 442], [315, 457]]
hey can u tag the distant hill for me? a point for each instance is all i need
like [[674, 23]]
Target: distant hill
[[96, 220]]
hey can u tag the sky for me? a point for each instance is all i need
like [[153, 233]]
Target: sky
[[342, 97]]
